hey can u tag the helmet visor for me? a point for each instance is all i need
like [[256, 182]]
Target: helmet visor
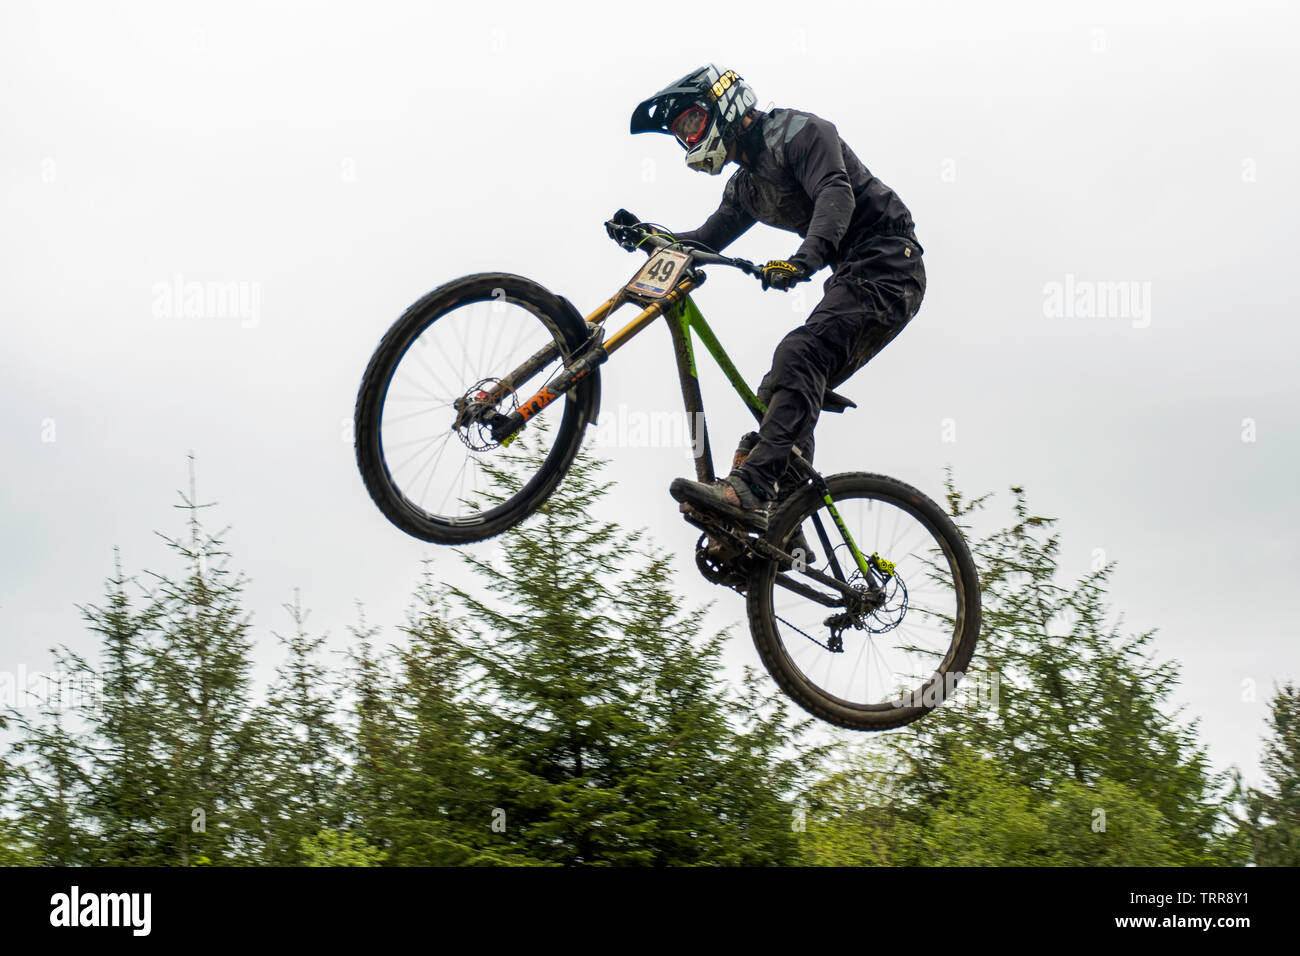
[[690, 125]]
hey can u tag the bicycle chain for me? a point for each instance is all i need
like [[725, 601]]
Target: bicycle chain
[[712, 529]]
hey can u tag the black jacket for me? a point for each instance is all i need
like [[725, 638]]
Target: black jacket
[[797, 174]]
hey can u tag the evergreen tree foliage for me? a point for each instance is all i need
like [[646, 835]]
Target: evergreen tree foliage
[[603, 729], [207, 734], [1273, 811], [567, 708], [124, 770], [338, 848], [48, 786], [302, 767], [1058, 748]]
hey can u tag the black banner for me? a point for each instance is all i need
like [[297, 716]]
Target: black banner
[[873, 905]]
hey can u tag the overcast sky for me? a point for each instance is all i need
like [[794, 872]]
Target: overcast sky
[[340, 160]]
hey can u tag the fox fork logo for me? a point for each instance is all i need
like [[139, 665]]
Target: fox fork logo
[[547, 395], [537, 403]]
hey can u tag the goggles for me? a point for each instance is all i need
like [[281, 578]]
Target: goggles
[[690, 125]]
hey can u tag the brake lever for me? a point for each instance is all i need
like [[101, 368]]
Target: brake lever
[[623, 235]]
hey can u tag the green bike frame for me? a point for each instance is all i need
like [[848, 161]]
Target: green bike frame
[[684, 318]]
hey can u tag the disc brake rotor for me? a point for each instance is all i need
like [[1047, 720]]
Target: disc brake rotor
[[474, 412]]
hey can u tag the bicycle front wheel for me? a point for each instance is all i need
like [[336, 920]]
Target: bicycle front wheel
[[890, 651], [470, 349]]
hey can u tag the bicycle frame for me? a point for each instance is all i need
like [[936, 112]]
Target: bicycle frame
[[683, 316], [687, 317]]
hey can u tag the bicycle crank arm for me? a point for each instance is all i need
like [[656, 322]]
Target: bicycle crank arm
[[766, 549], [713, 529], [505, 427]]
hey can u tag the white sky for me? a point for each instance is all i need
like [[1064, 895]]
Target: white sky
[[344, 159]]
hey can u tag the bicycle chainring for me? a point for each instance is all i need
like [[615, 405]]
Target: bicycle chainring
[[721, 563]]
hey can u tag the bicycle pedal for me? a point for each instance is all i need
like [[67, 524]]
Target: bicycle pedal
[[701, 516], [705, 522], [719, 531]]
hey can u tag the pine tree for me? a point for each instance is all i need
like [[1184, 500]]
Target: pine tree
[[721, 765], [13, 851], [441, 810], [298, 793], [167, 761], [83, 795], [48, 784], [1273, 813], [209, 744], [606, 736], [1079, 735], [125, 774], [372, 740]]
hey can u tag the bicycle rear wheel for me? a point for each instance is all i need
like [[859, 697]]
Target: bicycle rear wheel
[[894, 651], [474, 347]]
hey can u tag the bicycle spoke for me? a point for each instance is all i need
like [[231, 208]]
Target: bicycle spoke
[[427, 442], [467, 350]]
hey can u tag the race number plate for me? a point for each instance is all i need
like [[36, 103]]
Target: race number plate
[[659, 274]]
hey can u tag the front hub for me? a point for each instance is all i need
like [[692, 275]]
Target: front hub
[[476, 413]]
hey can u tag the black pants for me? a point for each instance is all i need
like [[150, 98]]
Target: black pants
[[866, 301]]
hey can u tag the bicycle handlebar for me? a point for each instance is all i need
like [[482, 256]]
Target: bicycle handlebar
[[633, 237]]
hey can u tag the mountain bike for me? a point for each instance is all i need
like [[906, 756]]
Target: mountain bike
[[871, 635]]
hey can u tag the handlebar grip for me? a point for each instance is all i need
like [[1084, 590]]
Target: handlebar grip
[[624, 235]]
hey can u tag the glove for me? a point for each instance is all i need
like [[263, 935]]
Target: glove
[[782, 274], [618, 227], [624, 218]]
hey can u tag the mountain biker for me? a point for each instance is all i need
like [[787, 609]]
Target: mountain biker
[[796, 173]]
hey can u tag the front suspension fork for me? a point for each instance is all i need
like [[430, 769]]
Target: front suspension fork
[[506, 426]]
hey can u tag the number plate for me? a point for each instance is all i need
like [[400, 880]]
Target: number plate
[[659, 274]]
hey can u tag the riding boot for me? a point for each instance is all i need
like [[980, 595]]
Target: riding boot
[[798, 540]]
